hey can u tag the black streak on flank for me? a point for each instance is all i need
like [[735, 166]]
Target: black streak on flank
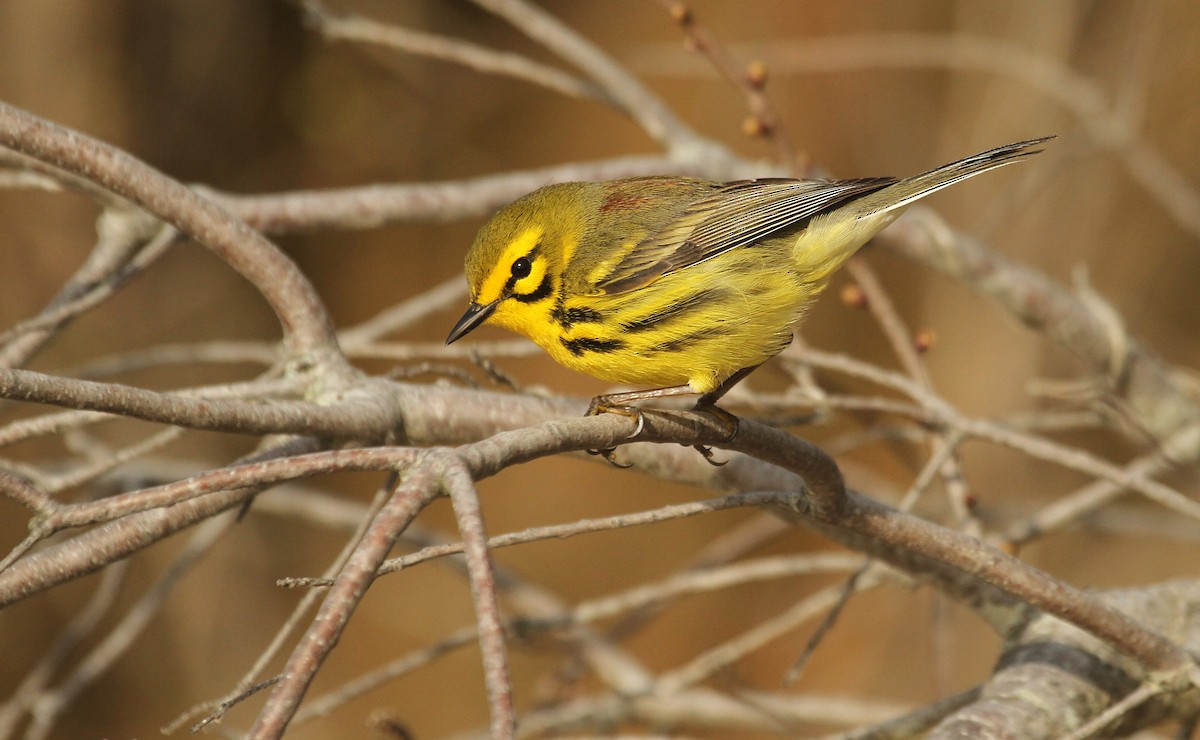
[[567, 317], [686, 341], [543, 291], [585, 344], [675, 310]]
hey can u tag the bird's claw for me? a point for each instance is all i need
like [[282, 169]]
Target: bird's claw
[[708, 455], [640, 424], [610, 456], [600, 405], [729, 421]]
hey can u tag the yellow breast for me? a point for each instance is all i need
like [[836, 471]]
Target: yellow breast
[[696, 327]]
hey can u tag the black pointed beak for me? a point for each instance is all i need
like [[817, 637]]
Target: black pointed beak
[[476, 314]]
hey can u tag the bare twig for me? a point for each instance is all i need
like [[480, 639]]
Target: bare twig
[[305, 324], [935, 410], [68, 421], [623, 88], [267, 417], [111, 542], [81, 626], [129, 242], [415, 492], [1106, 120], [359, 29], [704, 665], [250, 682], [585, 526], [372, 206], [749, 81], [51, 704], [457, 482], [1156, 399]]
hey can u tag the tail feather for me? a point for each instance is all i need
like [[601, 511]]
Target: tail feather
[[832, 237], [911, 189]]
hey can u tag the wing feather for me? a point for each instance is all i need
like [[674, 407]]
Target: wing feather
[[737, 214]]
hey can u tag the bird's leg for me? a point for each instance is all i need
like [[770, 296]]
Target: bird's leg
[[621, 403], [707, 404]]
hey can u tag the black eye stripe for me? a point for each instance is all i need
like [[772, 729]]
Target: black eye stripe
[[544, 289]]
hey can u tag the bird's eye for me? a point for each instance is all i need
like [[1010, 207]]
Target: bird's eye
[[521, 268]]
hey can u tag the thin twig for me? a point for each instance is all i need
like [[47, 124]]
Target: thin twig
[[360, 29], [129, 242], [250, 682], [586, 526], [1101, 115], [415, 491], [373, 206], [80, 627], [750, 81], [104, 545], [1095, 726], [709, 662], [911, 724], [482, 576], [306, 325], [123, 635], [935, 410], [624, 89]]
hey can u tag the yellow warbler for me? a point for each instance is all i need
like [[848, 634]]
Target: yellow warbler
[[679, 283]]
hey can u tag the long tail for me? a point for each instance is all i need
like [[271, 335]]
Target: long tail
[[910, 189], [832, 237]]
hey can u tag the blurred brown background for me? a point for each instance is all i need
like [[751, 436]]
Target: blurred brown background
[[239, 96]]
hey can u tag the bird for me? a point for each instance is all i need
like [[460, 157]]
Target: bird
[[682, 284]]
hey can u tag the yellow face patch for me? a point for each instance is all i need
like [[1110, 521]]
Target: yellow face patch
[[493, 285]]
